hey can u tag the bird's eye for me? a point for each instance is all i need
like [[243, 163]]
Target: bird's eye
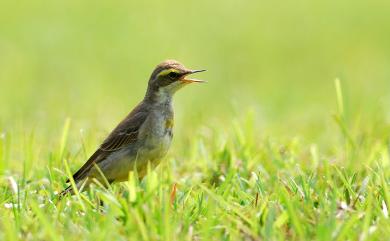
[[173, 75]]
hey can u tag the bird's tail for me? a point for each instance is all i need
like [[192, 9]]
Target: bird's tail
[[80, 185], [66, 191]]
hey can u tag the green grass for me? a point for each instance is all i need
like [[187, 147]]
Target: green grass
[[288, 140], [240, 187]]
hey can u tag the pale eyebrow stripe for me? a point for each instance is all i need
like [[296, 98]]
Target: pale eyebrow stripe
[[167, 71]]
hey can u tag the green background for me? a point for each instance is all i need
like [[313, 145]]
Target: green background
[[272, 67]]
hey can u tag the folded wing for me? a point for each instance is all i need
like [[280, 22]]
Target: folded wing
[[125, 134]]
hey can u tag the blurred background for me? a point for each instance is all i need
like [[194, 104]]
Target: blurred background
[[90, 61]]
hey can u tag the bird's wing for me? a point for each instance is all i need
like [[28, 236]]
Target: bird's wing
[[123, 135]]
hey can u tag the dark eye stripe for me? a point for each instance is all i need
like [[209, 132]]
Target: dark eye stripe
[[173, 75]]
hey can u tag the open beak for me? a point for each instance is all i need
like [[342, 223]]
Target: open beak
[[187, 80]]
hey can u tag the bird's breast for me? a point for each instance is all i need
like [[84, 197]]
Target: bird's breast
[[158, 132]]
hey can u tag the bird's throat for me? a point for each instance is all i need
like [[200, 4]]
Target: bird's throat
[[160, 97]]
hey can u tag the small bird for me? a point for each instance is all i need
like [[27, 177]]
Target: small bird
[[143, 137]]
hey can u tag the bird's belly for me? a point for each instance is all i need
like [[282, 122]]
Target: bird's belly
[[158, 138], [150, 150], [156, 146]]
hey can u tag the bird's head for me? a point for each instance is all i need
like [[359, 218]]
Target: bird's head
[[170, 76]]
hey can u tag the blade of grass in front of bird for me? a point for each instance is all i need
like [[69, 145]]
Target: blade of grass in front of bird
[[73, 184], [132, 187], [106, 183]]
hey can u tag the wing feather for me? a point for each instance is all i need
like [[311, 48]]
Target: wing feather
[[123, 135]]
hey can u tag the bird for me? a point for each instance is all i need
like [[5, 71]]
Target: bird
[[143, 136]]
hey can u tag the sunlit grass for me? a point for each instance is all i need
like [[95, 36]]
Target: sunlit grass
[[245, 187]]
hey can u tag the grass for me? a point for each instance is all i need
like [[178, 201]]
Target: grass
[[243, 187], [288, 140]]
